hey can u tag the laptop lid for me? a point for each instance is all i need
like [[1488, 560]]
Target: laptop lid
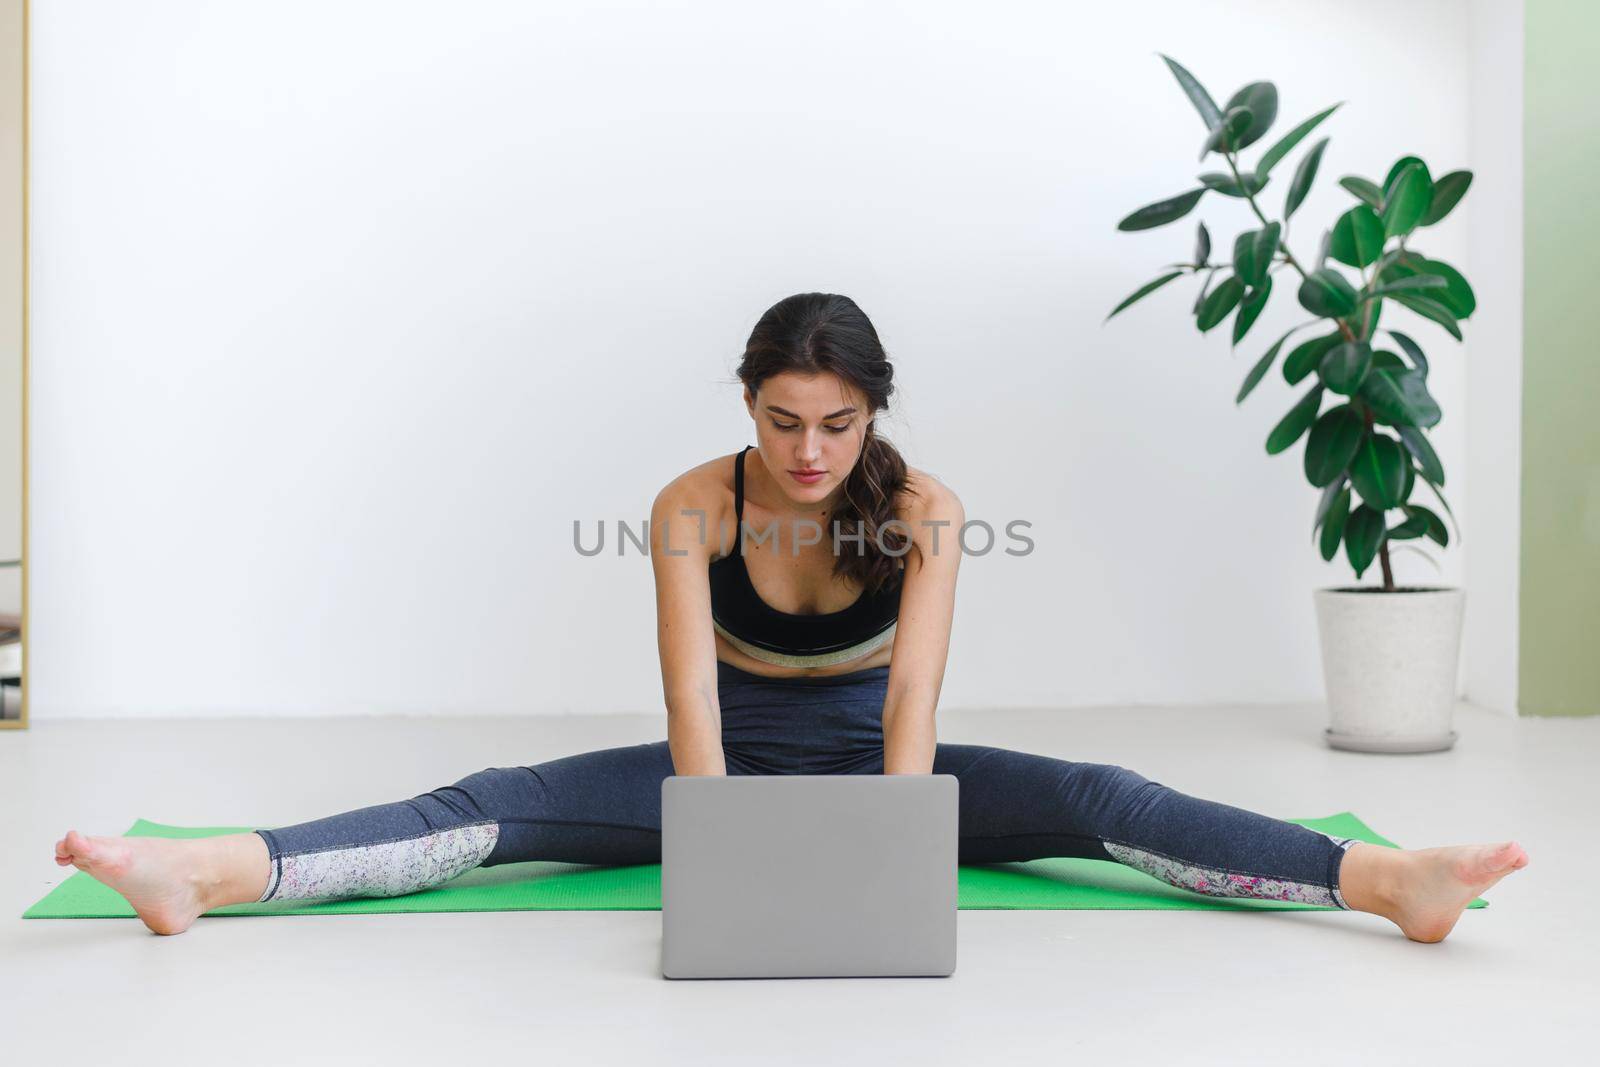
[[792, 876]]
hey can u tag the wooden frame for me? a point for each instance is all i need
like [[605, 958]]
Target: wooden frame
[[21, 722]]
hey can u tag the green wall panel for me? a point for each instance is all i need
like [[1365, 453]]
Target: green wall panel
[[1559, 648]]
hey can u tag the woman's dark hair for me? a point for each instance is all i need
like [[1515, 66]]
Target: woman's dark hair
[[810, 333]]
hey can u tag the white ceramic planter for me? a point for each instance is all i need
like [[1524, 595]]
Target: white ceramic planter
[[1389, 661]]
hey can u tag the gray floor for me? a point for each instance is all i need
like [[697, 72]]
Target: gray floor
[[1515, 980]]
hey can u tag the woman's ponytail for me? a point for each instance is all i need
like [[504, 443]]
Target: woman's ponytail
[[870, 492]]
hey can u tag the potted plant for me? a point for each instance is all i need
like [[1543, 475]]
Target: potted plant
[[1389, 654]]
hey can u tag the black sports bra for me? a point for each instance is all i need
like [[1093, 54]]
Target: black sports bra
[[762, 632]]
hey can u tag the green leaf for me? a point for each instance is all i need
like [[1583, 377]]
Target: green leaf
[[1252, 253], [1327, 293], [1344, 367], [1263, 365], [1286, 143], [1411, 348], [1413, 526], [1386, 264], [1406, 200], [1261, 98], [1444, 504], [1225, 138], [1304, 174], [1335, 436], [1250, 309], [1304, 359], [1434, 525], [1378, 471], [1429, 309], [1228, 185], [1383, 360], [1357, 237], [1295, 423], [1400, 398], [1205, 288], [1244, 263], [1447, 193], [1202, 246], [1416, 443], [1210, 114], [1401, 285], [1363, 533], [1334, 523], [1266, 246], [1367, 192], [1144, 290], [1325, 501], [1370, 311], [1222, 299], [1399, 166], [1162, 211], [1457, 296]]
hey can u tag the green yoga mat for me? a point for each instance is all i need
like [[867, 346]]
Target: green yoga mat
[[1036, 885]]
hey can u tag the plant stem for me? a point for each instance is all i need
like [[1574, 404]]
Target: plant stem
[[1283, 246], [1383, 546], [1251, 197]]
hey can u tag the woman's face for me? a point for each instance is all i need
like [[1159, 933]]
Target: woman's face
[[809, 431]]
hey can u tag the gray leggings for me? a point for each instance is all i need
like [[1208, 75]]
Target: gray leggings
[[604, 807]]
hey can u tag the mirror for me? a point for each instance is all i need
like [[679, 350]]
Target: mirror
[[13, 354]]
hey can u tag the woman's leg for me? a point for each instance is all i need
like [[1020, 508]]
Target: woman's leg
[[1019, 806], [600, 807]]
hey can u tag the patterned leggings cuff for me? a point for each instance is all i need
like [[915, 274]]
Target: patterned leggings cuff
[[1344, 844], [274, 867], [1221, 882], [388, 868]]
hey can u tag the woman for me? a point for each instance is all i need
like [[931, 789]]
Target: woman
[[808, 634]]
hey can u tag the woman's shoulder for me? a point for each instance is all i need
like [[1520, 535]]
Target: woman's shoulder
[[700, 499], [926, 497], [708, 485]]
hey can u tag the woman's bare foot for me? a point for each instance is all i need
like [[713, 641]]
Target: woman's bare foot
[[1424, 891], [171, 882]]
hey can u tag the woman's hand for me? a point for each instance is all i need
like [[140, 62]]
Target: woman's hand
[[922, 634]]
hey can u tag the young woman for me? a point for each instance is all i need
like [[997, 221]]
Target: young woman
[[804, 594]]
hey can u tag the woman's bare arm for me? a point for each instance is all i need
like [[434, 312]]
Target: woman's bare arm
[[681, 546], [922, 635]]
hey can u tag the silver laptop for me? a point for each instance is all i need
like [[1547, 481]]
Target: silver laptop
[[808, 876]]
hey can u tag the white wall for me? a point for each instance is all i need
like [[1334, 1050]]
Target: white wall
[[344, 312], [1493, 515]]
